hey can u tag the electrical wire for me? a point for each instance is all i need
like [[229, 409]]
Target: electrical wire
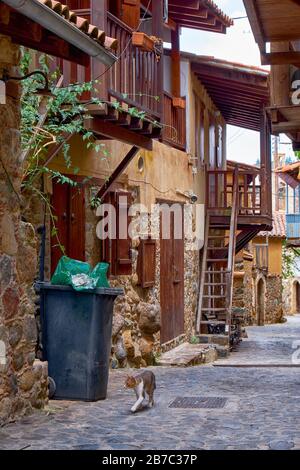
[[150, 184]]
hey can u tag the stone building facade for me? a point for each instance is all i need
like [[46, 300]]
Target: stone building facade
[[23, 380], [137, 315], [291, 296], [258, 281]]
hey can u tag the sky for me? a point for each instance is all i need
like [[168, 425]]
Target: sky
[[238, 45]]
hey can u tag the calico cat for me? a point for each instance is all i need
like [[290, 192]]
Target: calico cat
[[142, 383]]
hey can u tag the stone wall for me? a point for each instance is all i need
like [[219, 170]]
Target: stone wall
[[290, 295], [23, 381], [274, 304], [245, 291], [137, 315], [243, 288]]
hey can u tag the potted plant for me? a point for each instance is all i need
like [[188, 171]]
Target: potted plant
[[179, 102], [143, 41]]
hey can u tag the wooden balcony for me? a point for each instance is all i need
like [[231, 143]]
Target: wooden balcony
[[254, 198], [135, 81], [174, 123]]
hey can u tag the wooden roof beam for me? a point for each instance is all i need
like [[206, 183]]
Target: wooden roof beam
[[257, 28], [281, 58]]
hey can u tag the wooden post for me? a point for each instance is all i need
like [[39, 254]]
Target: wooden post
[[266, 164], [280, 78], [157, 30], [99, 10], [175, 57]]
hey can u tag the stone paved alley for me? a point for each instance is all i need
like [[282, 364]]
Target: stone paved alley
[[262, 410]]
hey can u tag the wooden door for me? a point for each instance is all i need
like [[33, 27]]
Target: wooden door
[[69, 212], [172, 284]]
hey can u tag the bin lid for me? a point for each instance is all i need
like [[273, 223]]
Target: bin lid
[[112, 291]]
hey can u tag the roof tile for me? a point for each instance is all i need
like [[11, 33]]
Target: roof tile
[[81, 23], [279, 227]]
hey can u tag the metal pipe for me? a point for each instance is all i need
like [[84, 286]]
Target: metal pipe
[[58, 25]]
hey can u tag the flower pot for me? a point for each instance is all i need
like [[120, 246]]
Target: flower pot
[[143, 41], [179, 103]]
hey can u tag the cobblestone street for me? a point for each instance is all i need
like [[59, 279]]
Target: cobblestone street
[[261, 412]]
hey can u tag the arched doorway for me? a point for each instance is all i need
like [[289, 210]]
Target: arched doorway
[[296, 297], [260, 301]]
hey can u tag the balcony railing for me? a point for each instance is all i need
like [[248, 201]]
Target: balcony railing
[[174, 130], [219, 194], [134, 77]]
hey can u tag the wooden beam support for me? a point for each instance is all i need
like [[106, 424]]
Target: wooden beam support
[[112, 131], [175, 58], [117, 172], [256, 25], [281, 58], [286, 126]]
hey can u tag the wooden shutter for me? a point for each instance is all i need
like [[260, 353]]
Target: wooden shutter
[[69, 209], [146, 265], [60, 204], [123, 245], [117, 253], [76, 246], [108, 246]]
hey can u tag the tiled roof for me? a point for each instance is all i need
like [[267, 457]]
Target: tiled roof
[[81, 23], [213, 6], [279, 227]]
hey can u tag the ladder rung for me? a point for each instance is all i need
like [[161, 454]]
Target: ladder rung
[[215, 284], [217, 237], [217, 272], [216, 260], [214, 296], [213, 322], [214, 309], [217, 248]]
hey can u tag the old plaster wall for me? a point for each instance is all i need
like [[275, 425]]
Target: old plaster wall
[[137, 315], [23, 381]]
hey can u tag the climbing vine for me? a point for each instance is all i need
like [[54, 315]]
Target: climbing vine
[[290, 256]]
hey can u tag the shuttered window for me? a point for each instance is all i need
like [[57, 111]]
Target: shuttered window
[[146, 265], [117, 251]]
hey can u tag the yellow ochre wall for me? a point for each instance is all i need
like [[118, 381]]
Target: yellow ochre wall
[[274, 253], [165, 169]]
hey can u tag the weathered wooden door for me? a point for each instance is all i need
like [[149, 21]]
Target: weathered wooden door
[[69, 213], [172, 283]]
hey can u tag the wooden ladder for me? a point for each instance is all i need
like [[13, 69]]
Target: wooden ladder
[[216, 283]]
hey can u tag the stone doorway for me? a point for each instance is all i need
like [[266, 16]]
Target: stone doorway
[[260, 302], [296, 297]]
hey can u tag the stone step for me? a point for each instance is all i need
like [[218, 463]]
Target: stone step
[[221, 340], [187, 355], [222, 351]]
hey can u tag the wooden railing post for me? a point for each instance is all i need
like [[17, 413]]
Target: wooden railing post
[[99, 10], [266, 164], [231, 250], [158, 30]]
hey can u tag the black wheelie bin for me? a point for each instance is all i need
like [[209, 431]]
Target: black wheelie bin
[[76, 339]]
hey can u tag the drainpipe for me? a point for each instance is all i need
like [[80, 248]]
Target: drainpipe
[[55, 23]]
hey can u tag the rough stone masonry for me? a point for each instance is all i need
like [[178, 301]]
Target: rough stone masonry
[[23, 380]]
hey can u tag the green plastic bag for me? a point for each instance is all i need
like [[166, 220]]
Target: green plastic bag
[[100, 274], [79, 275], [66, 268]]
